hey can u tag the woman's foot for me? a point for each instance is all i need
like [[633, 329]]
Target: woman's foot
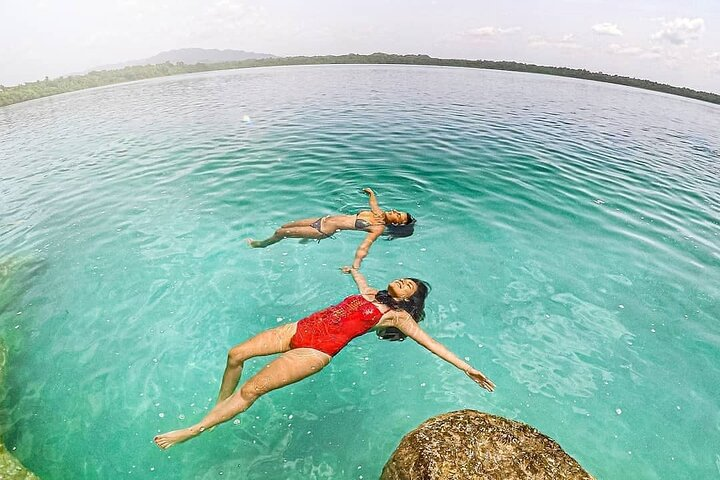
[[167, 440], [260, 243]]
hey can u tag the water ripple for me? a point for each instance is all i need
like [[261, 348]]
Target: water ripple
[[570, 231]]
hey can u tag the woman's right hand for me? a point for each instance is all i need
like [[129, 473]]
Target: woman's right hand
[[368, 191], [478, 377], [346, 269]]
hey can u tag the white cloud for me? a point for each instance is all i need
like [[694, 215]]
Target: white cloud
[[680, 30], [567, 42], [713, 61], [625, 49], [490, 31], [635, 51], [607, 29]]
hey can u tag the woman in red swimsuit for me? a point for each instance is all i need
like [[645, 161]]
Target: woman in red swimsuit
[[375, 222], [308, 345]]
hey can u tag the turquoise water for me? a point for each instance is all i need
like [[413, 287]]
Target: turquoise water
[[569, 230]]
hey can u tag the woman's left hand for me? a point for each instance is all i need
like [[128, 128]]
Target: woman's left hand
[[478, 377], [346, 269]]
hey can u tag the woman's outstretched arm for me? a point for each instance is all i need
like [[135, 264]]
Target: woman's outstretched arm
[[372, 200], [364, 247], [360, 280], [409, 327]]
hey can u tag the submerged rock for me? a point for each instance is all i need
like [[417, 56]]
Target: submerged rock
[[468, 444], [3, 362], [15, 273], [10, 467]]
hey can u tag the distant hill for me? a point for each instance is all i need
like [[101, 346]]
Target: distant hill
[[191, 56]]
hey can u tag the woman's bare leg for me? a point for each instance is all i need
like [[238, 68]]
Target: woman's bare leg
[[288, 232], [289, 368], [305, 222], [275, 340]]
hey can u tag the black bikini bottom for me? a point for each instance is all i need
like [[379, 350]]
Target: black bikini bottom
[[317, 225]]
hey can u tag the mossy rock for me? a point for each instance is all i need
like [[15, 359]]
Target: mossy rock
[[471, 445], [3, 362], [13, 272], [10, 467]]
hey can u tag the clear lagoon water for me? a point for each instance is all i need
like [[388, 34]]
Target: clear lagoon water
[[569, 230]]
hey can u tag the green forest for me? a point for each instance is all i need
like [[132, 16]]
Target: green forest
[[47, 87]]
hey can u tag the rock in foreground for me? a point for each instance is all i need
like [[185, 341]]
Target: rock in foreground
[[10, 467], [471, 445]]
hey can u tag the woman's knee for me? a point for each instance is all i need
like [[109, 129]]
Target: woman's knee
[[237, 356], [282, 231], [252, 390]]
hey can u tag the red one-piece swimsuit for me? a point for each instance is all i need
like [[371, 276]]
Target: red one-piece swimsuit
[[329, 330]]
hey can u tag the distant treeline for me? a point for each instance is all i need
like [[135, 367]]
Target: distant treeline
[[47, 87]]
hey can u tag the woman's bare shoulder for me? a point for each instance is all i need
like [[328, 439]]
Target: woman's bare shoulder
[[369, 294], [393, 318]]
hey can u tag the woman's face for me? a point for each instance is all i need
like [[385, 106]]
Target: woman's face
[[398, 218], [402, 288]]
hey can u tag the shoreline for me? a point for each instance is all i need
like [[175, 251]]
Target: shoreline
[[48, 87]]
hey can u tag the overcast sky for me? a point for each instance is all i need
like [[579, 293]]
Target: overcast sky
[[675, 42]]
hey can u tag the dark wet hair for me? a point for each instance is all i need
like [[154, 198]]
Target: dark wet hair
[[414, 305], [399, 230]]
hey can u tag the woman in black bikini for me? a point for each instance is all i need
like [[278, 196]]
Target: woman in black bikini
[[374, 221]]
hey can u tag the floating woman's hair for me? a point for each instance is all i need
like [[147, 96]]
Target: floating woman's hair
[[399, 230], [414, 305]]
